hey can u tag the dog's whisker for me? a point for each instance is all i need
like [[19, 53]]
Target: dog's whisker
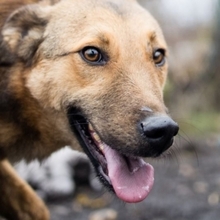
[[190, 144]]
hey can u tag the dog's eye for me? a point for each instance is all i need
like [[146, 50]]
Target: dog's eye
[[92, 55], [159, 57]]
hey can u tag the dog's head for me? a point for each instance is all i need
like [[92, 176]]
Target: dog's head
[[103, 63]]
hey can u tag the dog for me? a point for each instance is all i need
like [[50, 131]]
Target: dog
[[88, 74]]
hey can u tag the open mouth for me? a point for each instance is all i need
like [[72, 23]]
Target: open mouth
[[131, 178]]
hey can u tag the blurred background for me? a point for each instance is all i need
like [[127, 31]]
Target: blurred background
[[192, 30], [187, 182]]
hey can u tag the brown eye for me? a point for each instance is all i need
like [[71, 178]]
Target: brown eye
[[92, 55], [159, 57]]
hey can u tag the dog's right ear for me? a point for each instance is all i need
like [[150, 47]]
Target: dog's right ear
[[24, 29]]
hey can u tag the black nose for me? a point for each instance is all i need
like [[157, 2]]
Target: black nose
[[159, 132]]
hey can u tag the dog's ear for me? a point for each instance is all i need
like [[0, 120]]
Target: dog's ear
[[23, 30]]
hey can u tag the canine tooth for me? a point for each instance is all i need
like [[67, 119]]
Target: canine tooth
[[101, 146], [96, 137], [90, 127]]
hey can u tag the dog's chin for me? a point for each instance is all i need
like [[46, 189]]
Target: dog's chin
[[129, 177]]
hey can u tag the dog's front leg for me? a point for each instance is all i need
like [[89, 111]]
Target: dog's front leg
[[17, 200]]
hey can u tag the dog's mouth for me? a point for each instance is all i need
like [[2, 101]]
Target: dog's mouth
[[131, 178]]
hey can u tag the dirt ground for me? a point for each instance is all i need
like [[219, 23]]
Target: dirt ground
[[187, 187]]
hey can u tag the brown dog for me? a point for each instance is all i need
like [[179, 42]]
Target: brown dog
[[81, 71]]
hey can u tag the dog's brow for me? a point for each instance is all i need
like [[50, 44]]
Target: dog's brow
[[91, 41], [96, 39], [153, 36], [103, 38]]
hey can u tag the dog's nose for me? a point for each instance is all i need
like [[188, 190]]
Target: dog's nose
[[159, 132]]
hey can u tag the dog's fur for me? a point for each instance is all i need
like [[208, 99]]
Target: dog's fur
[[42, 75]]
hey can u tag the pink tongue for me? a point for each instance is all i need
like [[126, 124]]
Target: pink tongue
[[132, 183]]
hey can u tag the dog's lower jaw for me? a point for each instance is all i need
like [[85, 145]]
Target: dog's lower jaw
[[129, 177]]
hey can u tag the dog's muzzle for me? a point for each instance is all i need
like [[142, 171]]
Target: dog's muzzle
[[126, 174]]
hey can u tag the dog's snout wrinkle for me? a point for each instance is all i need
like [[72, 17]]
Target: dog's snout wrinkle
[[146, 109], [159, 132]]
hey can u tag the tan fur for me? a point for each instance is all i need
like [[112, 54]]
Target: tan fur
[[42, 73], [18, 200]]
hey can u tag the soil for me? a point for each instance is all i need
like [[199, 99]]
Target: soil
[[187, 187]]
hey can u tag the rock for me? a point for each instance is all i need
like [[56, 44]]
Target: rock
[[104, 214]]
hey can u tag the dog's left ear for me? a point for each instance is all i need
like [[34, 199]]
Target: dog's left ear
[[23, 30]]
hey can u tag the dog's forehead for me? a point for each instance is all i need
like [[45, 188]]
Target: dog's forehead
[[89, 12], [116, 7], [82, 20], [119, 7]]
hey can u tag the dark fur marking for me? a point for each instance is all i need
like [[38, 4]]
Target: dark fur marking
[[13, 110], [6, 57]]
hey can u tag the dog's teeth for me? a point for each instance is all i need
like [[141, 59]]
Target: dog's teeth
[[101, 146], [91, 128], [96, 137]]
